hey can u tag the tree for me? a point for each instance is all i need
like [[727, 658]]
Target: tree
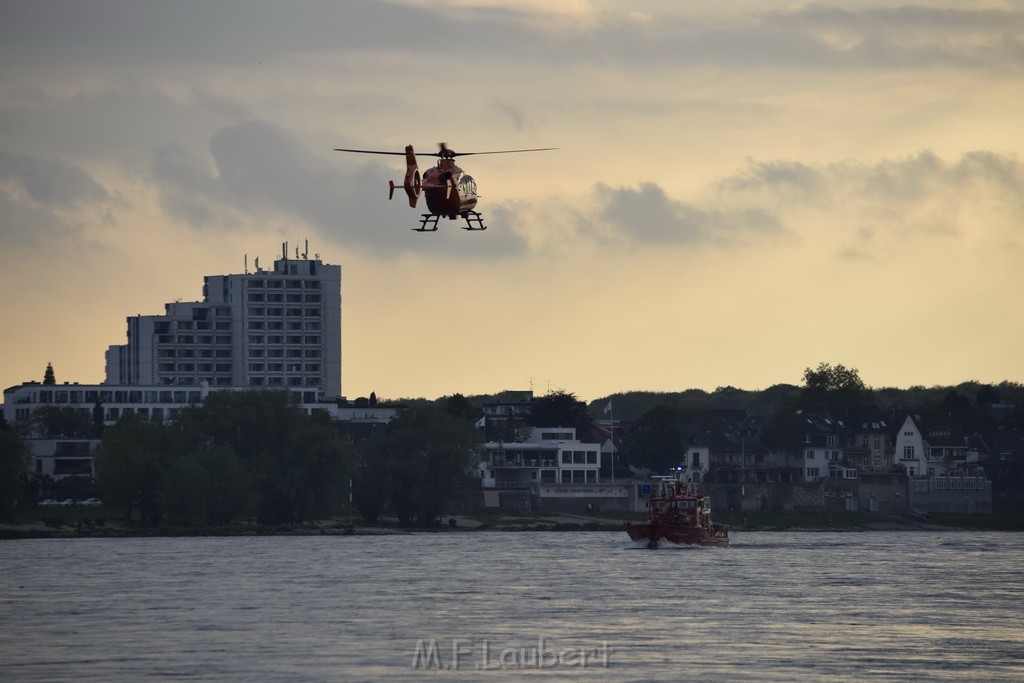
[[655, 441], [372, 484], [52, 422], [427, 456], [459, 406], [185, 486], [130, 463], [560, 409], [229, 491], [14, 458], [297, 464], [835, 385], [48, 377]]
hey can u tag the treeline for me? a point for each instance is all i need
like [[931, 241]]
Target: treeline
[[257, 456], [631, 405]]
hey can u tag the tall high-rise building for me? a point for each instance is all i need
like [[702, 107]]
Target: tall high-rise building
[[276, 329]]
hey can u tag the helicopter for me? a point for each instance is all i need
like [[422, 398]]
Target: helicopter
[[450, 192]]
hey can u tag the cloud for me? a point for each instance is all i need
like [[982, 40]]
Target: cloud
[[512, 114], [646, 215], [877, 206], [50, 181], [253, 32], [44, 200]]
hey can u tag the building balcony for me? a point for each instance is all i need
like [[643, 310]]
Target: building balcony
[[522, 464]]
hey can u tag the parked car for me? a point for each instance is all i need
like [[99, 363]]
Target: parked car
[[66, 503], [48, 503], [92, 502]]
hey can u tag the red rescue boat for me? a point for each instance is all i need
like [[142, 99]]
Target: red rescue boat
[[679, 514]]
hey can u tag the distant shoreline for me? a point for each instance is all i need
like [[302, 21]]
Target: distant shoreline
[[523, 523]]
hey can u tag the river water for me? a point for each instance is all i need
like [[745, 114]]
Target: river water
[[783, 606]]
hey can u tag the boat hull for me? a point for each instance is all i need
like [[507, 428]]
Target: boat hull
[[678, 534]]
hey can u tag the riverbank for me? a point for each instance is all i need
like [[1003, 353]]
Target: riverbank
[[103, 523]]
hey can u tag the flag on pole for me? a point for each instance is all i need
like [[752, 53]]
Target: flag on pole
[[608, 408]]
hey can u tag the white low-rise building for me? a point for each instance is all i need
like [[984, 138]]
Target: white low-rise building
[[932, 449], [550, 455]]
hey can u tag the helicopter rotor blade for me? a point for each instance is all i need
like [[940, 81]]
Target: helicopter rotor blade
[[368, 151], [444, 152], [501, 151]]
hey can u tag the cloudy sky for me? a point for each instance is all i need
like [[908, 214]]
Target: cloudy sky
[[741, 190]]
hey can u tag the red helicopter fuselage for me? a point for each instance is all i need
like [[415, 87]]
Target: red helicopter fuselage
[[448, 190]]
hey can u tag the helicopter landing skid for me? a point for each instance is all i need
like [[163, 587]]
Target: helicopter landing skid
[[428, 221], [428, 218], [474, 217]]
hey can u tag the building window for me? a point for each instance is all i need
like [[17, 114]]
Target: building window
[[908, 452]]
